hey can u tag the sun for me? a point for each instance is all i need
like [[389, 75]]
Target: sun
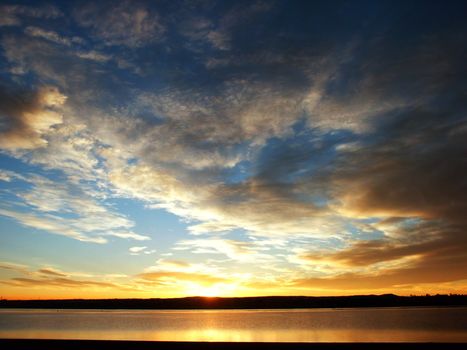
[[213, 290]]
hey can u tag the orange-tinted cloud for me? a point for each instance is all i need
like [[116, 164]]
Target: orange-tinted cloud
[[27, 116], [51, 272], [440, 261], [57, 281], [415, 169], [177, 276]]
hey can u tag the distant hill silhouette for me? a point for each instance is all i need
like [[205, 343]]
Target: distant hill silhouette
[[270, 302]]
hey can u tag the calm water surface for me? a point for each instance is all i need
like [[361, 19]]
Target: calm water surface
[[303, 325]]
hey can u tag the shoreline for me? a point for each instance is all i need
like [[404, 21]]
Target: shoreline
[[292, 309], [223, 303], [49, 344]]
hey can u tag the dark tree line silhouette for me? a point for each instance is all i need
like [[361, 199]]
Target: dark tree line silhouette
[[270, 302]]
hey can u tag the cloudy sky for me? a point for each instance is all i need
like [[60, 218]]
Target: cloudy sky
[[232, 148]]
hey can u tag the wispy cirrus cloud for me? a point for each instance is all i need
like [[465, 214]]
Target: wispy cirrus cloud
[[65, 209], [94, 56], [48, 35]]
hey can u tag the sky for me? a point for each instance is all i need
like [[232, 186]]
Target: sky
[[232, 148]]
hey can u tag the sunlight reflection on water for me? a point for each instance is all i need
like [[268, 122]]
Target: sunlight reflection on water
[[319, 325]]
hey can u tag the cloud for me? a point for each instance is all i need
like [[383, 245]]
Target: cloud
[[94, 56], [205, 133], [424, 257], [414, 170], [195, 27], [240, 110], [439, 268], [375, 78], [84, 78], [65, 209], [130, 235], [11, 14], [407, 178], [20, 268], [235, 250], [48, 35], [205, 136], [136, 249], [202, 136], [176, 277], [60, 282], [72, 149], [51, 224], [56, 282], [51, 272], [405, 174], [349, 146], [221, 36], [52, 278], [28, 115], [252, 206], [183, 278], [173, 264], [128, 23], [417, 241], [140, 250], [8, 176]]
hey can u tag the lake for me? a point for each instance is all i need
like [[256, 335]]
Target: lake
[[421, 324]]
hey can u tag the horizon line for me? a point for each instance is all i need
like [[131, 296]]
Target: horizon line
[[427, 295]]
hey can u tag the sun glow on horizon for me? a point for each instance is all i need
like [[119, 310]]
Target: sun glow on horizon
[[213, 290]]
